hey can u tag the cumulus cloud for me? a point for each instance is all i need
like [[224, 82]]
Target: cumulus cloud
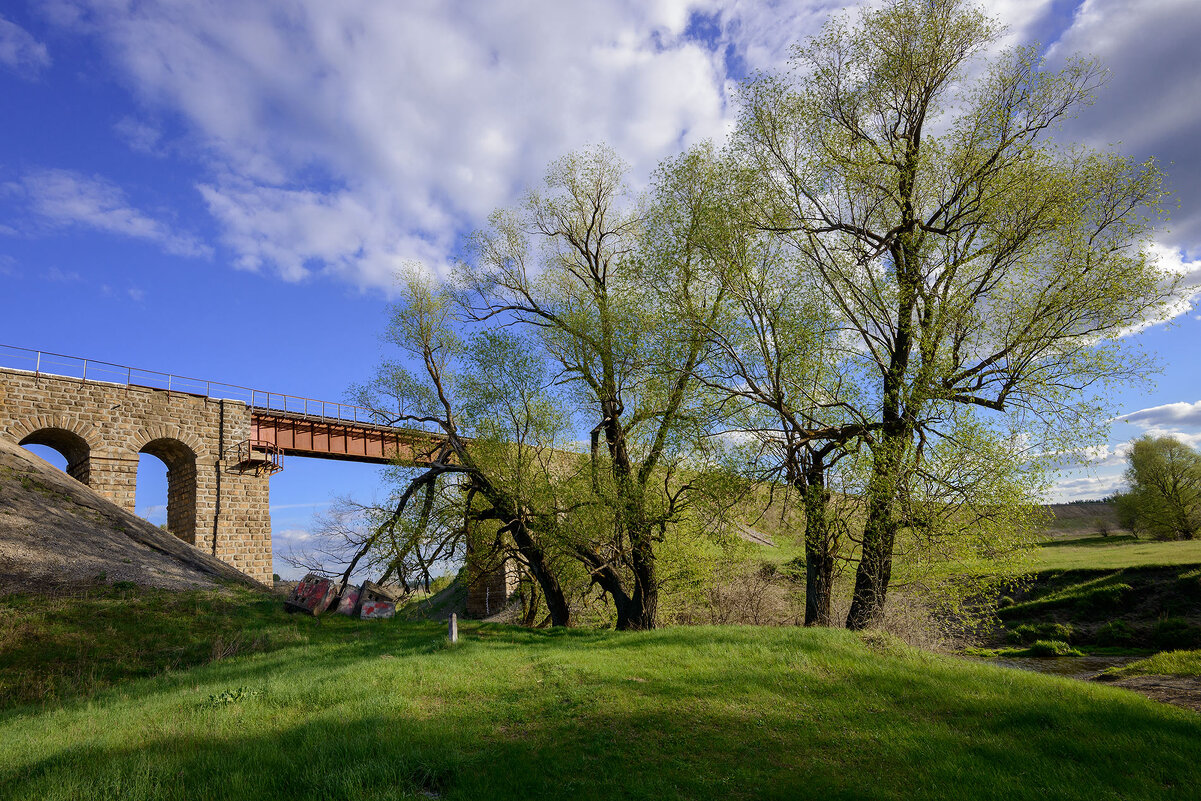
[[344, 138], [19, 51], [67, 198], [1147, 107], [1181, 421]]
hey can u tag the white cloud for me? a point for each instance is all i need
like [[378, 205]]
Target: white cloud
[[1166, 416], [63, 197], [1148, 106], [142, 137], [19, 51], [1086, 488], [60, 276], [347, 137]]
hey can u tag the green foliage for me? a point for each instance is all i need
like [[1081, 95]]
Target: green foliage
[[1167, 663], [1164, 496], [1173, 633], [1051, 648], [230, 697], [1028, 633], [1104, 598], [441, 582], [1115, 633], [974, 262]]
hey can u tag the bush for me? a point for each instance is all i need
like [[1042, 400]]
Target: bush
[[1190, 583], [1115, 633], [440, 583], [1174, 633], [1031, 632], [1104, 599], [1048, 648]]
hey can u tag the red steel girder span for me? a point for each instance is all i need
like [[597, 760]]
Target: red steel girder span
[[322, 438]]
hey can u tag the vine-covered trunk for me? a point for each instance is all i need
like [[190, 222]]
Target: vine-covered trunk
[[819, 545], [879, 533]]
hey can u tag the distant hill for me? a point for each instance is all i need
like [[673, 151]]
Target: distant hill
[[56, 532], [1083, 517]]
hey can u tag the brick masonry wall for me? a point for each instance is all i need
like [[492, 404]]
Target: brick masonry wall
[[101, 428]]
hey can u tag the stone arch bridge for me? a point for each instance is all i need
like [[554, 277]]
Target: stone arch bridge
[[221, 443]]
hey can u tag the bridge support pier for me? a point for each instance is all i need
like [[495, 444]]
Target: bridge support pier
[[114, 477]]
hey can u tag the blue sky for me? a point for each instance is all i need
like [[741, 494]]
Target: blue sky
[[223, 189]]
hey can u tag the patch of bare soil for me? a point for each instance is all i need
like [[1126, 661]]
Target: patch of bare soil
[[1176, 690], [55, 532]]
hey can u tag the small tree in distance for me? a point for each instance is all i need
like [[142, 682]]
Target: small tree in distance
[[1164, 499]]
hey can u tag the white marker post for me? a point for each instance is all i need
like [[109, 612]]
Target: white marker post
[[454, 627]]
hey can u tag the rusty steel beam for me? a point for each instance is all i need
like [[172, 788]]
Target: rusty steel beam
[[318, 438]]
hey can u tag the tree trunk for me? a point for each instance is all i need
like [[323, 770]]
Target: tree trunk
[[819, 556], [556, 599], [644, 602], [879, 534]]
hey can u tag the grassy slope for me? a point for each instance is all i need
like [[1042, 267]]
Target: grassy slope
[[57, 648], [1167, 663], [345, 709]]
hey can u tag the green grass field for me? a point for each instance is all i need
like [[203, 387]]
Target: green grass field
[[1095, 552], [334, 708]]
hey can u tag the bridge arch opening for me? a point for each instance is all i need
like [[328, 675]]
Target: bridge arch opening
[[180, 461], [67, 444]]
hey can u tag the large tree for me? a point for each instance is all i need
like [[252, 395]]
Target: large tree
[[774, 358], [579, 265], [493, 458], [971, 259]]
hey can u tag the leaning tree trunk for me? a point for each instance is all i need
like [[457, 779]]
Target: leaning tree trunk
[[535, 557]]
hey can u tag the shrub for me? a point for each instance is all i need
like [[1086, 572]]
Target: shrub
[[1047, 648], [1190, 582], [1174, 633], [1031, 632], [1115, 633], [1104, 599]]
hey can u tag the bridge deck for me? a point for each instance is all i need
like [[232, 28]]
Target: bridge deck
[[323, 438]]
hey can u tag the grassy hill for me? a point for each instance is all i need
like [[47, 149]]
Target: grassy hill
[[335, 708]]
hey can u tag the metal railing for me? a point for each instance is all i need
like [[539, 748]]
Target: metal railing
[[60, 365]]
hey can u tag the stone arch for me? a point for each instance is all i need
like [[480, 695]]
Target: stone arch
[[76, 441], [181, 459]]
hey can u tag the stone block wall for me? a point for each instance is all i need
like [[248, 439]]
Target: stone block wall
[[489, 589], [101, 428]]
